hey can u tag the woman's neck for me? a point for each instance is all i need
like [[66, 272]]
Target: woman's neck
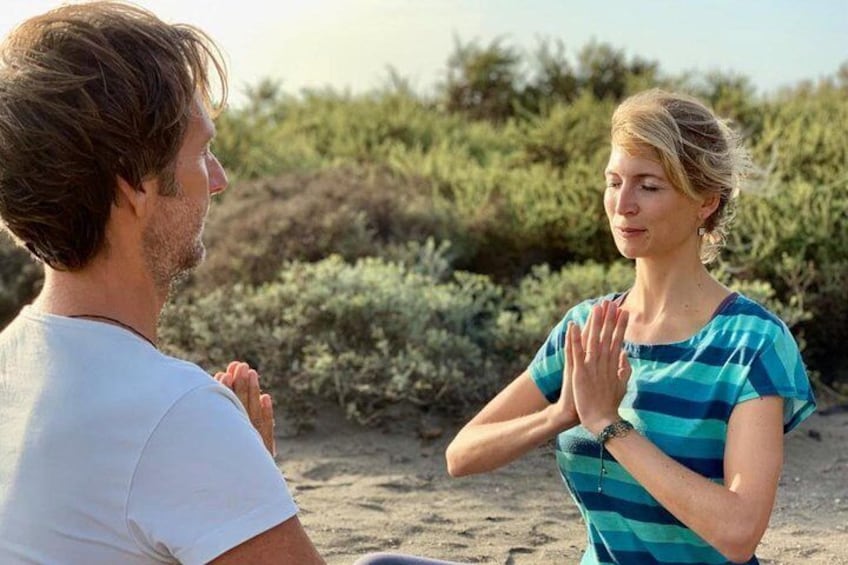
[[664, 289]]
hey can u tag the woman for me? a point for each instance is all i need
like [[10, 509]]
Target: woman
[[668, 401]]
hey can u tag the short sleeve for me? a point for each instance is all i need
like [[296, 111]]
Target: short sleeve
[[549, 362], [778, 370], [205, 482]]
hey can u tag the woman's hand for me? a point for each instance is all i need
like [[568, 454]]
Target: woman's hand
[[600, 367], [564, 408], [244, 382]]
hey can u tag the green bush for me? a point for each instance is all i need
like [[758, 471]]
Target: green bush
[[352, 212], [20, 279], [578, 131], [365, 335], [373, 335], [544, 296], [497, 174]]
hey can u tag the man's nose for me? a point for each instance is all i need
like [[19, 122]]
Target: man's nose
[[217, 177]]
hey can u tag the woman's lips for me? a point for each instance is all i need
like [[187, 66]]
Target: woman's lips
[[629, 233]]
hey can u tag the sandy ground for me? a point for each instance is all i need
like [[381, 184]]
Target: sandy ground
[[363, 490]]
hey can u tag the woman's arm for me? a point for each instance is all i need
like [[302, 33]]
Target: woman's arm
[[731, 517], [518, 419]]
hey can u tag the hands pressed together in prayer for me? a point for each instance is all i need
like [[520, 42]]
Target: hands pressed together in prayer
[[596, 370], [244, 382]]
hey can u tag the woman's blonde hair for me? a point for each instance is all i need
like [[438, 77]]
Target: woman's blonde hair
[[700, 154]]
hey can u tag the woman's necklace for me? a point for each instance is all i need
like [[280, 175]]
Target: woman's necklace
[[117, 322]]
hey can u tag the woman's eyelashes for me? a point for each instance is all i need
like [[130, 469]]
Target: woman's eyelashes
[[643, 186]]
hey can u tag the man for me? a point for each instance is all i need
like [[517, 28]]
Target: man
[[110, 451]]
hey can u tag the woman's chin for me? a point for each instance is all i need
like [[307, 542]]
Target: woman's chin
[[628, 252]]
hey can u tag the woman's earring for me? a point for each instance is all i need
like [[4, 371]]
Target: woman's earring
[[702, 231]]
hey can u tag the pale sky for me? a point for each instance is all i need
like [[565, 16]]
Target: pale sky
[[349, 44]]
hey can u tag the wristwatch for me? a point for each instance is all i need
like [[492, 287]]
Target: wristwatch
[[619, 428]]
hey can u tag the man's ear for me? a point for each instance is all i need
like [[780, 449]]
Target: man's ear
[[135, 199]]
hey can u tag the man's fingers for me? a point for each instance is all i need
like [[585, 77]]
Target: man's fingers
[[227, 380], [241, 385], [266, 430], [253, 407], [244, 381]]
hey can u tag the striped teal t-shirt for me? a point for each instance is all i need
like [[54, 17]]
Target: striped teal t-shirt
[[680, 396]]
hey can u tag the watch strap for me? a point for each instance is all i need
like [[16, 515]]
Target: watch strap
[[619, 428]]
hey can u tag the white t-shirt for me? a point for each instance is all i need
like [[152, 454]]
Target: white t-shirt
[[111, 452]]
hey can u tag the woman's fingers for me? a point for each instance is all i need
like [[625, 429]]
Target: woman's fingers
[[607, 356], [578, 353], [587, 329], [593, 330], [624, 369], [607, 327], [622, 317]]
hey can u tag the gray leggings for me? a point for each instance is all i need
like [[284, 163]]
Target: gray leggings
[[399, 559]]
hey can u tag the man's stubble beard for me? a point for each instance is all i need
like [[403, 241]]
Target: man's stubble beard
[[170, 260]]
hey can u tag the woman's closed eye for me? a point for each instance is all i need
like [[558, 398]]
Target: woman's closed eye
[[647, 187]]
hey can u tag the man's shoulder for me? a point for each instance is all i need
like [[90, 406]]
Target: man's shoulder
[[69, 355], [173, 368]]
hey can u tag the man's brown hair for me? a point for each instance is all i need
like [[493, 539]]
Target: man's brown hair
[[88, 93]]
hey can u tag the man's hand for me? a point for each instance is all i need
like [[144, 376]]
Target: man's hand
[[244, 382]]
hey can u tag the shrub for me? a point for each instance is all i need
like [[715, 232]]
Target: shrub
[[544, 296], [20, 279], [352, 212], [579, 131], [366, 335]]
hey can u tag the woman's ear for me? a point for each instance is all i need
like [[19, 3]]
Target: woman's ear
[[708, 206]]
